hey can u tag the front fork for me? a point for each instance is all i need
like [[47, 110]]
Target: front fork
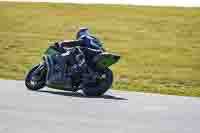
[[40, 70]]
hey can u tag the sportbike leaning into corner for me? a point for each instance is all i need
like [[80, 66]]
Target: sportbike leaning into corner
[[81, 64]]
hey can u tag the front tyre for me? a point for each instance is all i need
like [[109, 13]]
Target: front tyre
[[35, 82], [103, 83]]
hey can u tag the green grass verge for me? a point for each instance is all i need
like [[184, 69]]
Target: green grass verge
[[160, 47]]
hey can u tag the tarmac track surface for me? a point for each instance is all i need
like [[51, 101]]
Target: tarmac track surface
[[51, 111]]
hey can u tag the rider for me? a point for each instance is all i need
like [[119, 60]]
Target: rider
[[89, 45]]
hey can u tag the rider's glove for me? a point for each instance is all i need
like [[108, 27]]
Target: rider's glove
[[58, 45]]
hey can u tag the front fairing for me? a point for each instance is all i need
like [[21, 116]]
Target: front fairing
[[105, 59]]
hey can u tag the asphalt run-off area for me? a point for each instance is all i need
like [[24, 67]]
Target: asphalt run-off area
[[50, 111]]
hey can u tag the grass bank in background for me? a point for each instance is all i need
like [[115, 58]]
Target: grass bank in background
[[160, 47]]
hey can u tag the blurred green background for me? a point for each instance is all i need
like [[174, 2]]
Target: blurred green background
[[160, 46]]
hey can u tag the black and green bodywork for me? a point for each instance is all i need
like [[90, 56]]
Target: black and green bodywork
[[94, 77]]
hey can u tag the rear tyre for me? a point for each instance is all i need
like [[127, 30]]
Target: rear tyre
[[102, 85], [35, 82]]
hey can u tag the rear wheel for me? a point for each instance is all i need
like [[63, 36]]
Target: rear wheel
[[103, 83], [35, 80]]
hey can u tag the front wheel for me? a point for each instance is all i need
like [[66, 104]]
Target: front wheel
[[35, 80], [103, 83]]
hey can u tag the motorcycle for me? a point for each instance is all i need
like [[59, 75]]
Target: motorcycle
[[76, 68]]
